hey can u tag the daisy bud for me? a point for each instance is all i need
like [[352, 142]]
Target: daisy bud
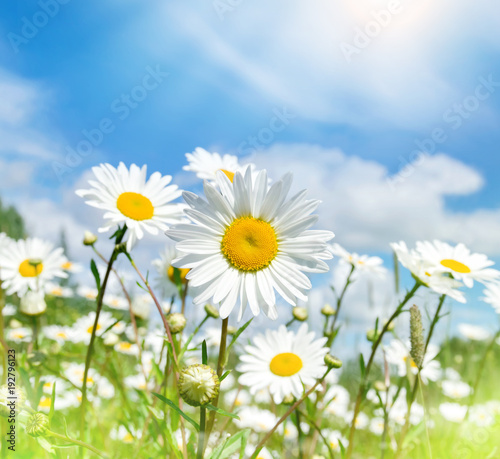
[[231, 330], [121, 248], [89, 238], [176, 322], [416, 336], [289, 400], [391, 325], [12, 400], [111, 339], [37, 424], [14, 323], [332, 361], [372, 335], [211, 311], [379, 386], [328, 310], [33, 303], [198, 385], [300, 314]]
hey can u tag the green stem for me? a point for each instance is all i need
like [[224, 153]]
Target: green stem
[[78, 442], [300, 434], [288, 413], [90, 349], [406, 426], [220, 369], [331, 337], [201, 437], [375, 346]]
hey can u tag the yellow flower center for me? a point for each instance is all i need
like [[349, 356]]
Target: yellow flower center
[[62, 335], [229, 175], [456, 266], [30, 269], [124, 346], [89, 330], [67, 265], [45, 402], [412, 363], [18, 335], [135, 206], [128, 438], [183, 272], [285, 364], [249, 244]]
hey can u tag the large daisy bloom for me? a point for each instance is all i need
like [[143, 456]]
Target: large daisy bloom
[[363, 263], [283, 361], [246, 242], [437, 281], [128, 198], [29, 264], [458, 261], [206, 165]]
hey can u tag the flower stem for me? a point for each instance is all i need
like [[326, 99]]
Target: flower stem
[[201, 437], [375, 346], [288, 413], [220, 369], [88, 358], [78, 442]]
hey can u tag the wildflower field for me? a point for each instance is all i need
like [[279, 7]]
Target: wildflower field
[[164, 359]]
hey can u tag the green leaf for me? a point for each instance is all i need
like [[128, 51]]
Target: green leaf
[[204, 353], [232, 445], [342, 449], [95, 272], [235, 337], [178, 410], [362, 365], [224, 375], [220, 411], [52, 401]]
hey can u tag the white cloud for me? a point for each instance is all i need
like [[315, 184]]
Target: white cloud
[[367, 211]]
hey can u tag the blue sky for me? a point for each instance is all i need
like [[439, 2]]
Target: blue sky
[[365, 84]]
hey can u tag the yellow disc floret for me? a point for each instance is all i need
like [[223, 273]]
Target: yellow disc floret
[[285, 364], [229, 175], [182, 272], [30, 269], [135, 206], [456, 266], [249, 244]]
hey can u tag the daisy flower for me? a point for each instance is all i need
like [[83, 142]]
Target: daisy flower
[[81, 331], [206, 165], [362, 263], [474, 332], [334, 438], [9, 310], [458, 261], [456, 389], [128, 198], [283, 361], [57, 333], [72, 267], [437, 281], [58, 290], [399, 410], [398, 354], [165, 270], [377, 426], [125, 347], [246, 242], [125, 435], [492, 296], [4, 241], [75, 372], [89, 293], [256, 419], [115, 302], [453, 412], [29, 264], [19, 335]]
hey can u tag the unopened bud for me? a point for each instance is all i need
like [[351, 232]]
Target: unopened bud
[[211, 311], [14, 323], [416, 336], [33, 303], [37, 424], [372, 335], [176, 322], [300, 314], [328, 310], [89, 238], [231, 330], [333, 362], [379, 386], [289, 399], [198, 385], [391, 325]]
